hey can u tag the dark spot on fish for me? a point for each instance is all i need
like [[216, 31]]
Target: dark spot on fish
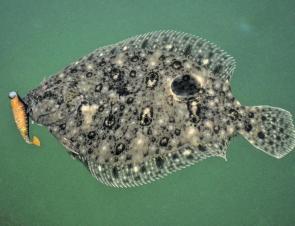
[[270, 142], [152, 79], [62, 126], [122, 107], [49, 94], [263, 118], [165, 38], [194, 119], [210, 54], [171, 119], [144, 44], [164, 141], [159, 162], [113, 50], [187, 50], [199, 110], [58, 81], [79, 123], [89, 74], [146, 118], [109, 121], [248, 127], [74, 70], [234, 115], [177, 132], [132, 74], [60, 101], [120, 147], [199, 59], [261, 135], [143, 169], [101, 108], [104, 136], [175, 156], [91, 135], [115, 172], [98, 88], [146, 121], [90, 58], [176, 65], [184, 85], [150, 131], [217, 69], [190, 157], [128, 157], [134, 58], [116, 74], [102, 63], [202, 148], [130, 100], [122, 90], [251, 115], [216, 129]]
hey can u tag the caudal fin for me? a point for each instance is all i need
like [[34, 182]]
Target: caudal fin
[[269, 129], [36, 141]]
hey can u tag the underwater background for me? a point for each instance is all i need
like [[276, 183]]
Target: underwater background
[[45, 186]]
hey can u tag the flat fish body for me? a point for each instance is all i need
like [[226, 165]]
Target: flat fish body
[[134, 111]]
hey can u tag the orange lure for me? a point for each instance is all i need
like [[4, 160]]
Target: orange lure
[[21, 118]]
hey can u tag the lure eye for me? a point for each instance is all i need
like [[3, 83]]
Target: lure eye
[[12, 94]]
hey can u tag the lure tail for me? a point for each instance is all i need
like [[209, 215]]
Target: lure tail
[[36, 141], [269, 129]]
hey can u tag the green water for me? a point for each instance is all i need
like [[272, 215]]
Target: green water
[[44, 186]]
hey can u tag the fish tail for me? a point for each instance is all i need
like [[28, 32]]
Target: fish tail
[[36, 141], [269, 129]]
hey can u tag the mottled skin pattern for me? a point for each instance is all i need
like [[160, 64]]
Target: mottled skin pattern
[[137, 110]]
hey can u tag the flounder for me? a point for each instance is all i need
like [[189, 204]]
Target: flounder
[[139, 109]]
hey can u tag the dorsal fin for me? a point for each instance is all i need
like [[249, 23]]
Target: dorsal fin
[[197, 49]]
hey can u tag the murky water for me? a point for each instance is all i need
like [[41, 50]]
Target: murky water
[[44, 186]]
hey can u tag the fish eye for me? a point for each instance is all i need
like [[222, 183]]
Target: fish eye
[[12, 94], [185, 86]]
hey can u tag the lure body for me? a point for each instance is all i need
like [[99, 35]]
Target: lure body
[[21, 118]]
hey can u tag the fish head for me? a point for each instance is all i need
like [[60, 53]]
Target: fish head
[[44, 104]]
